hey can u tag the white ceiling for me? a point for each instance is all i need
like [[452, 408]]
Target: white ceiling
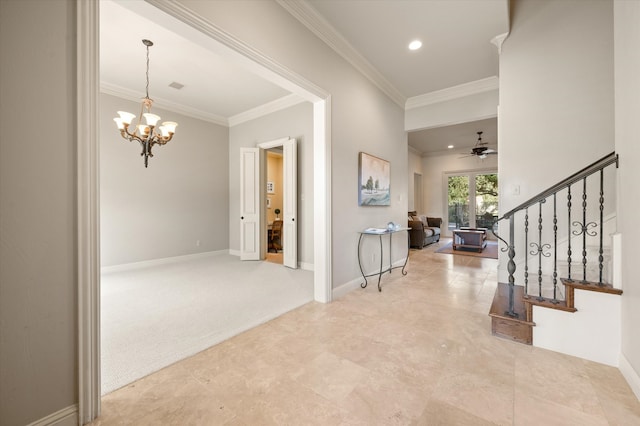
[[456, 49], [214, 87], [456, 37]]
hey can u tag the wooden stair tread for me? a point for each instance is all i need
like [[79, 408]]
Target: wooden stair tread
[[560, 305], [591, 286]]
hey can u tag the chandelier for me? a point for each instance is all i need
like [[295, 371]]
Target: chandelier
[[148, 134]]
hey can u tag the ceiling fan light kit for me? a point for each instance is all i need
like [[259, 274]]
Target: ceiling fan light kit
[[149, 133], [480, 150]]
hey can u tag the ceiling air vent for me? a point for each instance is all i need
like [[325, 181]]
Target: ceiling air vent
[[176, 85]]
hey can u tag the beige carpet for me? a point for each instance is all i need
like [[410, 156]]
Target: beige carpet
[[155, 316], [490, 251]]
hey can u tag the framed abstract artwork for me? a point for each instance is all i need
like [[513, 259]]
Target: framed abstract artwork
[[374, 181]]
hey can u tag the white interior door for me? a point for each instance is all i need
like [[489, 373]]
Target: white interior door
[[290, 204], [250, 204]]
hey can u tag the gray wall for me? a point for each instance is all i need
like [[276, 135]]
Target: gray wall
[[556, 93], [296, 122], [627, 73], [163, 210], [363, 118], [556, 96], [38, 321]]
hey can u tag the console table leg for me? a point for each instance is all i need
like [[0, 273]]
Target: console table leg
[[380, 275], [364, 284], [406, 259]]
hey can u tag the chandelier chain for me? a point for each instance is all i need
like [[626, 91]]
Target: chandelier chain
[[147, 71]]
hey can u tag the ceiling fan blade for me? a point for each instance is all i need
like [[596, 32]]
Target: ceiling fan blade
[[490, 151]]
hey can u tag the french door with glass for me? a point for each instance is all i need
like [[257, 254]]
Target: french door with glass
[[471, 199]]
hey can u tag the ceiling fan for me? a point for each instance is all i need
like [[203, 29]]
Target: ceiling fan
[[481, 150]]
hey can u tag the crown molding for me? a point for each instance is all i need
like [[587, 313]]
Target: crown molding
[[498, 40], [415, 151], [317, 24], [135, 96], [454, 92], [251, 114], [268, 108]]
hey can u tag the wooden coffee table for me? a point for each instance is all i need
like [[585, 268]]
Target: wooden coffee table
[[470, 238]]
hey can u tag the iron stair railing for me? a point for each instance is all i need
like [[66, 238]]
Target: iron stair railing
[[541, 249]]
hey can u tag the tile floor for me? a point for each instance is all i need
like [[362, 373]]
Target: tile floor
[[419, 353]]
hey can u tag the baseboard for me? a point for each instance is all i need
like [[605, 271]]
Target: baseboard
[[345, 288], [630, 375], [162, 261], [305, 266], [65, 417], [302, 265], [354, 284]]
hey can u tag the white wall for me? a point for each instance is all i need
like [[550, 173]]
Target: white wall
[[165, 209], [627, 87], [474, 107], [295, 122], [556, 95], [363, 119], [38, 284], [434, 180]]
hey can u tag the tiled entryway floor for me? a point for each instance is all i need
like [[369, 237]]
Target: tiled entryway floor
[[420, 352]]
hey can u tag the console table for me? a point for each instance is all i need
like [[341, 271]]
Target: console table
[[380, 233]]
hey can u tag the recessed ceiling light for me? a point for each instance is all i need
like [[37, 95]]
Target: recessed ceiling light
[[450, 146], [176, 85], [415, 45]]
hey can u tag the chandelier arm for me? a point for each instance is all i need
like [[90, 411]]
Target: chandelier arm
[[129, 136]]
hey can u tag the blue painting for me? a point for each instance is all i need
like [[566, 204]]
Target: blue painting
[[374, 181]]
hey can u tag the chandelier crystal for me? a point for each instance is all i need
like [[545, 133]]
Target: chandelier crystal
[[149, 133]]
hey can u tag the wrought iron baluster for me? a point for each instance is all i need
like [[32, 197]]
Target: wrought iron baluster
[[601, 257], [538, 249], [526, 257], [511, 268], [584, 231], [569, 233], [555, 251], [539, 253], [584, 234]]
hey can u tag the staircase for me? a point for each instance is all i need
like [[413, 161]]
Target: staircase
[[559, 260]]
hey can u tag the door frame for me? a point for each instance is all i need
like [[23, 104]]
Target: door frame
[[87, 176], [263, 147]]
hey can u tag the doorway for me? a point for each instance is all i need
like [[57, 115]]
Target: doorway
[[88, 193], [275, 189], [471, 200], [257, 190]]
